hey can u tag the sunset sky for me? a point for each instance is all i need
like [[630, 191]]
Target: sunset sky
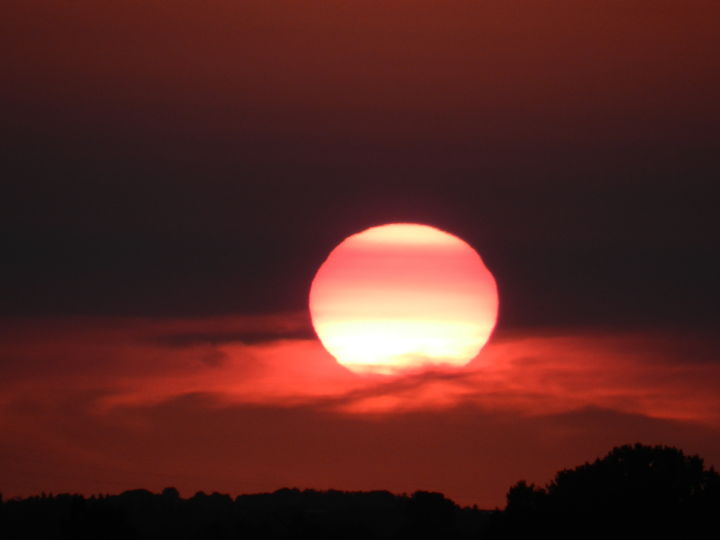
[[174, 173]]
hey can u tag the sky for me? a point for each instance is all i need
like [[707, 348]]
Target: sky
[[174, 174]]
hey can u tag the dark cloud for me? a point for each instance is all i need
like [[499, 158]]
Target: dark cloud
[[187, 339]]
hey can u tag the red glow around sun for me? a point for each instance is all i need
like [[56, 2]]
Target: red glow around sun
[[403, 296]]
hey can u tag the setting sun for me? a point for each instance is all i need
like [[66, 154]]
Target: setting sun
[[401, 297]]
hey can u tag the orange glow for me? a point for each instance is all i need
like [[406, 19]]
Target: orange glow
[[403, 296]]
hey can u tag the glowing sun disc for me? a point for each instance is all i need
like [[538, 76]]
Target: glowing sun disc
[[403, 296]]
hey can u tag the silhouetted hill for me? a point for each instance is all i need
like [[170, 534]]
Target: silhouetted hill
[[635, 490]]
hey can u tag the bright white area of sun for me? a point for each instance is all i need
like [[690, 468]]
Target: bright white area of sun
[[401, 297]]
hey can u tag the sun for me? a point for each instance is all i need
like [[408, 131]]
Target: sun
[[403, 297]]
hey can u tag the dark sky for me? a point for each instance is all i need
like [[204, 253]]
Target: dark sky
[[195, 160], [187, 158]]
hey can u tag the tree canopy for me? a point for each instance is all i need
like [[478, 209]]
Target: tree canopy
[[633, 488]]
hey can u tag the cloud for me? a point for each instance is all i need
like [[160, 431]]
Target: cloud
[[107, 406], [140, 361]]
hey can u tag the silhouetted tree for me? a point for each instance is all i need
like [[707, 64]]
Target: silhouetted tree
[[634, 489], [431, 515], [170, 494], [525, 499]]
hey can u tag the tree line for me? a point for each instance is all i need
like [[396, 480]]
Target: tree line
[[641, 491]]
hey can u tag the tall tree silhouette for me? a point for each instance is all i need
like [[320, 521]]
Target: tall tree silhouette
[[639, 489]]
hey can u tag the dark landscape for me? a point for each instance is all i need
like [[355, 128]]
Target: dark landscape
[[634, 491]]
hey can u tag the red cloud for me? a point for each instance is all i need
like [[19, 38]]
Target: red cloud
[[117, 404]]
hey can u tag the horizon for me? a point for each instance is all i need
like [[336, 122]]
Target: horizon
[[174, 177]]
